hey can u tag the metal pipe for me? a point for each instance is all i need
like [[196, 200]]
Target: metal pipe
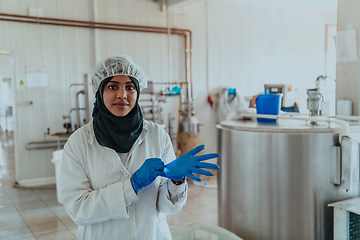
[[187, 55], [39, 19], [76, 84], [207, 47], [44, 144], [191, 71], [168, 41], [170, 124], [74, 109], [153, 108], [351, 118], [171, 83], [344, 124], [113, 26], [107, 27], [77, 105], [72, 85], [86, 96]]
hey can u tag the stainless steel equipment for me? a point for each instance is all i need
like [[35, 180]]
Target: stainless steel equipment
[[275, 181], [314, 101], [88, 101], [189, 126]]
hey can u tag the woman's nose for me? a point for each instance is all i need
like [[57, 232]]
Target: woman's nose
[[121, 94]]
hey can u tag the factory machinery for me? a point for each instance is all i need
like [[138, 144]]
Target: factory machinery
[[277, 181], [82, 109], [185, 136]]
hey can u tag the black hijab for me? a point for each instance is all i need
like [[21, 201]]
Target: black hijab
[[118, 133]]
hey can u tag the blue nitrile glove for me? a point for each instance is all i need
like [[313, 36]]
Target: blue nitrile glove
[[188, 164], [147, 173]]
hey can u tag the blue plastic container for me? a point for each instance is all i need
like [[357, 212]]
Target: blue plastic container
[[268, 104]]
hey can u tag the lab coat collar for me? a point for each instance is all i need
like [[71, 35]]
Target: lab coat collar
[[109, 154]]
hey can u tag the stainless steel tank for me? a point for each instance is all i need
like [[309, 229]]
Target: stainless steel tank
[[274, 180]]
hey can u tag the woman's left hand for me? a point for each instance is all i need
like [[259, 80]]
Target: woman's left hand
[[147, 173], [188, 164]]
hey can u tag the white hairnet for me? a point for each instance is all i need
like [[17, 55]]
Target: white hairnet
[[117, 65]]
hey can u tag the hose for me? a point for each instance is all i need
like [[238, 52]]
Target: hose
[[227, 104]]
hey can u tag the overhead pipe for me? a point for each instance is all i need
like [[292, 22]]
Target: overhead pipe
[[114, 26], [62, 20]]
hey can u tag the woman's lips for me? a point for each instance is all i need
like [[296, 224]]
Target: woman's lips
[[121, 105]]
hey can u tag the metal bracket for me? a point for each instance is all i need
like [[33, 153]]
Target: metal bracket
[[335, 176], [349, 164]]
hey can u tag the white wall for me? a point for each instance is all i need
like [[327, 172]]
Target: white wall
[[252, 45], [247, 46], [66, 53]]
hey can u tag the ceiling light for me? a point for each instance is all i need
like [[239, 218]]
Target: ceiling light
[[5, 52]]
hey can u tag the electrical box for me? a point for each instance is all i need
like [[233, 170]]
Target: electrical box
[[344, 107], [288, 98]]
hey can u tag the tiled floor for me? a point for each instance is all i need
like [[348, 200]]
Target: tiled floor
[[35, 213]]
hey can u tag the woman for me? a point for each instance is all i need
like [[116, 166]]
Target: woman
[[110, 167]]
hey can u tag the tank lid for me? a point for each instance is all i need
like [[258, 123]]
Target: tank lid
[[283, 125]]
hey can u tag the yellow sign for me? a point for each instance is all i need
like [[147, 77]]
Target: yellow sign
[[21, 82]]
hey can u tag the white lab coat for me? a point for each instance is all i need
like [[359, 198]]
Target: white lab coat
[[97, 192]]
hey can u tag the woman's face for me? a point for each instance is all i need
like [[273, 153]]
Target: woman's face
[[120, 95]]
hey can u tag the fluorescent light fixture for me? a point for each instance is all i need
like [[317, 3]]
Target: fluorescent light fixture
[[5, 52]]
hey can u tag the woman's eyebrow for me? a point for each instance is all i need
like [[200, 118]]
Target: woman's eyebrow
[[130, 82], [114, 82]]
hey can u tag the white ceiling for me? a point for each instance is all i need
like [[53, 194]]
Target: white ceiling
[[326, 5]]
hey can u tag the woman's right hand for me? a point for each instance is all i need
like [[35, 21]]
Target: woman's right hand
[[147, 173]]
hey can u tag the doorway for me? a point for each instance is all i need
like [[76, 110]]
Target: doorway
[[7, 119]]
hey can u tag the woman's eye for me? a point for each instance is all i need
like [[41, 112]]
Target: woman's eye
[[112, 87], [130, 87]]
